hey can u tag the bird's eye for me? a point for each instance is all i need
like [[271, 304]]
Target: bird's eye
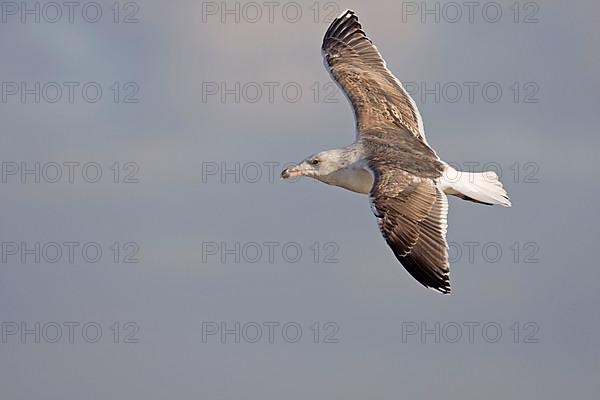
[[314, 161]]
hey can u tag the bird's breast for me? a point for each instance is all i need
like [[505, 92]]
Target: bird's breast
[[354, 178]]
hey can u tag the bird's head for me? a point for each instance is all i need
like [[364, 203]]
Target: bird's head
[[317, 166]]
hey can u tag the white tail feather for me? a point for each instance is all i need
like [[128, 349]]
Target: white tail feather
[[484, 187]]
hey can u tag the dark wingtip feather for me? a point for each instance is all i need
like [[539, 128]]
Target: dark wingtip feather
[[424, 274], [341, 24]]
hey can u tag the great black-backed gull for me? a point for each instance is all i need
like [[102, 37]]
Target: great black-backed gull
[[391, 160]]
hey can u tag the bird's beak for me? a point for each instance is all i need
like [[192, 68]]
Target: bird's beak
[[292, 172]]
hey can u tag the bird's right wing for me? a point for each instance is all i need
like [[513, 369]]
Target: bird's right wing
[[377, 96], [411, 212]]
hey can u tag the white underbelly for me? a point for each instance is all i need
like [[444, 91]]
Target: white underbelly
[[356, 179]]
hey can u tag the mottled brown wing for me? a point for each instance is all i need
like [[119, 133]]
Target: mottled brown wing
[[411, 212], [396, 148], [378, 98]]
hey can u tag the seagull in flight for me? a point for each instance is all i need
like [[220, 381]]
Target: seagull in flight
[[391, 161]]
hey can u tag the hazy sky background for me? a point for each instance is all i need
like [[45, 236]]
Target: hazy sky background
[[544, 141]]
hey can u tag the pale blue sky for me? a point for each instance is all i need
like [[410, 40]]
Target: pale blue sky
[[170, 134]]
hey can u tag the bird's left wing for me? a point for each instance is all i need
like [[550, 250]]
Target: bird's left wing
[[379, 100]]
